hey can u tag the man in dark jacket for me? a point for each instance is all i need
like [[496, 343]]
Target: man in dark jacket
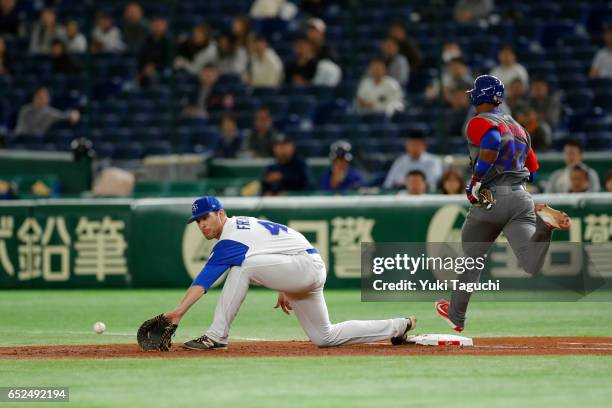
[[155, 52], [288, 173]]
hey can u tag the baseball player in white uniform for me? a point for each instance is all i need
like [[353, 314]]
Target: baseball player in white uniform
[[272, 255]]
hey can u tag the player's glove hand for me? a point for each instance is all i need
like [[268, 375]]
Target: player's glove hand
[[486, 199], [472, 190], [156, 334], [479, 196]]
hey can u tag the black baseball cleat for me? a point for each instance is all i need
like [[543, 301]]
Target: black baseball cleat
[[403, 339], [204, 343]]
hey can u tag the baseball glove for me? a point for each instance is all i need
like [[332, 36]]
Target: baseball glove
[[486, 199], [156, 334]]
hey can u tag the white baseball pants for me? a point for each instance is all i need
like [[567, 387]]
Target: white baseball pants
[[302, 278]]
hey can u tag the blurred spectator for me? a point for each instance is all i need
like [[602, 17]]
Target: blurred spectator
[[259, 138], [455, 75], [5, 59], [155, 53], [44, 31], [469, 11], [450, 51], [579, 179], [209, 95], [608, 182], [415, 158], [135, 28], [38, 116], [241, 30], [559, 181], [397, 64], [265, 68], [315, 32], [61, 62], [415, 183], [516, 94], [540, 132], [378, 92], [546, 104], [328, 73], [288, 173], [266, 8], [457, 112], [508, 69], [198, 51], [232, 57], [602, 62], [407, 46], [301, 70], [316, 7], [452, 182], [230, 139], [9, 20], [341, 176], [106, 37], [75, 41]]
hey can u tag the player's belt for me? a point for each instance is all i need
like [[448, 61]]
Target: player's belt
[[506, 189], [312, 251]]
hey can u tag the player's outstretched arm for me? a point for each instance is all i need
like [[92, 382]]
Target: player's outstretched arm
[[193, 294]]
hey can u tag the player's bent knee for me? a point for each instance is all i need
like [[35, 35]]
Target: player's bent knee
[[321, 340]]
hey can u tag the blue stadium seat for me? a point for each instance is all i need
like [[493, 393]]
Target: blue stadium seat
[[303, 106], [329, 132], [599, 141], [104, 150], [310, 148], [205, 136], [147, 134], [161, 147], [580, 100], [603, 99], [128, 151], [373, 118]]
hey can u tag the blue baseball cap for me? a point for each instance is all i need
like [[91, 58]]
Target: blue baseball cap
[[203, 206]]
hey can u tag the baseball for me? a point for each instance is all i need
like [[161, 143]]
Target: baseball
[[99, 327]]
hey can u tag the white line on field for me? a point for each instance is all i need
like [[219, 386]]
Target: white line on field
[[92, 333], [504, 347], [78, 332], [588, 344], [585, 348]]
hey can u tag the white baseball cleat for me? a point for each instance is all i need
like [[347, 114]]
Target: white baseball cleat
[[554, 219]]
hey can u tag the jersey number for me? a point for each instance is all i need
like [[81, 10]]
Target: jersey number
[[273, 227]]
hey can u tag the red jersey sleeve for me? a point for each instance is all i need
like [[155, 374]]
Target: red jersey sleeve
[[531, 162], [476, 129]]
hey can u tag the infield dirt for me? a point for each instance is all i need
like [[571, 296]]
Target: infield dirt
[[495, 346]]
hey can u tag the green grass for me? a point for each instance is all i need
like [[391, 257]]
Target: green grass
[[67, 317], [326, 382]]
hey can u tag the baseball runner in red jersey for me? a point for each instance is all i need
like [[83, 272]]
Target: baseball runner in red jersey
[[502, 161]]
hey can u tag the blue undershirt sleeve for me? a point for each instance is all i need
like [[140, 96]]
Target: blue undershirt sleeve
[[489, 141], [225, 254]]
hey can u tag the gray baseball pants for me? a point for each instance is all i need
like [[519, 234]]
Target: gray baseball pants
[[515, 216]]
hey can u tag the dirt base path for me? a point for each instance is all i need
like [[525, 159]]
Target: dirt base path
[[498, 346]]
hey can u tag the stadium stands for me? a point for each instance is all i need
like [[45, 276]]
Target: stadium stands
[[555, 40]]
